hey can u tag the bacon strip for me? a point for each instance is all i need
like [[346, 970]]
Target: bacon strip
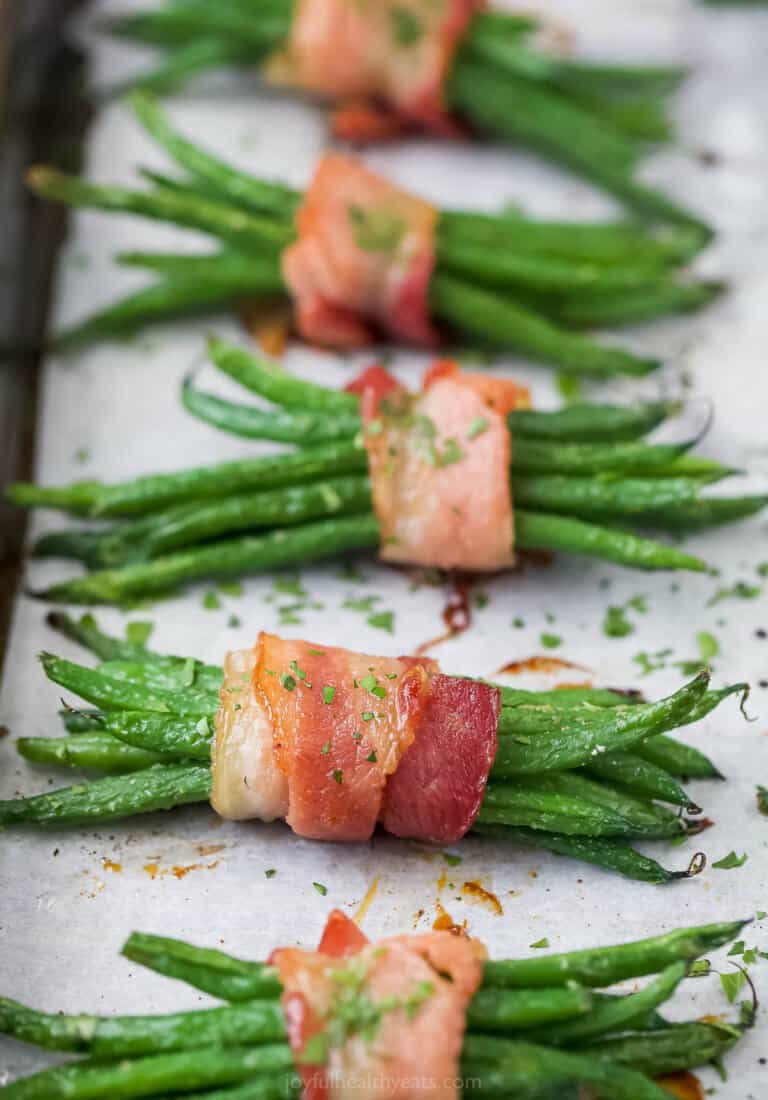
[[438, 789], [247, 783], [423, 985], [363, 259], [341, 722], [389, 58], [440, 469]]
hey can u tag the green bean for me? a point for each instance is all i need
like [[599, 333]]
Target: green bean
[[564, 697], [539, 456], [224, 181], [631, 307], [181, 63], [677, 1047], [127, 1080], [271, 1087], [581, 423], [540, 274], [230, 224], [610, 243], [206, 968], [168, 299], [112, 693], [253, 422], [170, 736], [641, 777], [506, 1066], [244, 270], [546, 803], [81, 721], [606, 965], [494, 1010], [150, 493], [96, 750], [601, 497], [157, 788], [277, 385], [230, 558], [109, 1037], [175, 674], [487, 315], [535, 531], [694, 515], [677, 758], [175, 24], [186, 524], [612, 854], [556, 740], [517, 110], [616, 1014]]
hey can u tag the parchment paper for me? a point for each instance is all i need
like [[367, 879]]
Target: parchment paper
[[69, 899]]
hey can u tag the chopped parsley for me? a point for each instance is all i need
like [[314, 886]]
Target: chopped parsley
[[367, 716], [451, 859], [329, 693], [363, 603], [300, 673], [376, 230], [762, 800], [371, 684], [540, 943], [739, 591], [652, 662], [338, 776], [382, 620], [322, 890], [270, 872], [406, 27], [287, 681], [326, 748], [732, 984], [357, 736], [551, 641], [231, 588], [616, 624], [477, 427], [234, 621], [372, 758], [727, 863], [138, 633], [211, 601]]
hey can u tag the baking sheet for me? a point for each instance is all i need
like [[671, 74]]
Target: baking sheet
[[67, 901]]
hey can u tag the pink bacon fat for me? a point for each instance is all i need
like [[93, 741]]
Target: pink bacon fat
[[388, 59], [363, 259], [336, 742], [246, 781], [411, 1046], [440, 470]]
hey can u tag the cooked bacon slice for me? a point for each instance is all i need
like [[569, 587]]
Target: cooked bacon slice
[[392, 54], [364, 257], [247, 783], [439, 465], [423, 984], [438, 789], [341, 723], [503, 395]]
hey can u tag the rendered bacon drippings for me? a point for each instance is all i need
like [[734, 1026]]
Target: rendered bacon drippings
[[440, 470], [388, 59], [411, 1045], [363, 259]]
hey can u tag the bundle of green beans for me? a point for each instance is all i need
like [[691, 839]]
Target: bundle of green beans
[[538, 1027], [595, 119], [286, 509], [578, 772], [517, 295]]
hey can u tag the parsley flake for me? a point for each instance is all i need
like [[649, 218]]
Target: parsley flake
[[329, 693], [322, 890], [729, 862]]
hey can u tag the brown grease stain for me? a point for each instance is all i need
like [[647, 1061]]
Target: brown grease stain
[[539, 663], [477, 892], [268, 324], [110, 865], [444, 922], [365, 904], [178, 870], [209, 849], [457, 613], [682, 1085]]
